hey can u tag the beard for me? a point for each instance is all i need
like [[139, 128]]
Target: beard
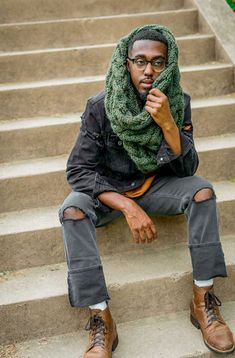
[[143, 95]]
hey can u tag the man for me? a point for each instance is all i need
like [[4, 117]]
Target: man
[[134, 156]]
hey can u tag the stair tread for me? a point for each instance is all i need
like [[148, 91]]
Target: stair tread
[[47, 217], [58, 163], [214, 101], [16, 124], [76, 80], [97, 46], [93, 18], [145, 263], [185, 340], [215, 142], [12, 124], [33, 167]]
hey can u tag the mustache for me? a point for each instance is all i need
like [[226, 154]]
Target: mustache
[[147, 79]]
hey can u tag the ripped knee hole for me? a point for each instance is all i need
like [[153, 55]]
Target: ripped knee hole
[[203, 194], [74, 213]]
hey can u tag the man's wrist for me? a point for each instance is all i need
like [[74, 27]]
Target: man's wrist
[[169, 126], [117, 201], [127, 205]]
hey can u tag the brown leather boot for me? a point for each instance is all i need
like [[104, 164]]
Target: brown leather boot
[[103, 338], [205, 315]]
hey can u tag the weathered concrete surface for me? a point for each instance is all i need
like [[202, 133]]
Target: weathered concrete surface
[[88, 60], [43, 180], [159, 278], [89, 31], [221, 20], [47, 98], [23, 10], [29, 137], [156, 279], [148, 337]]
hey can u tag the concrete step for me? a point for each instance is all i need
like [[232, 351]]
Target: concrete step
[[214, 115], [38, 137], [33, 237], [41, 137], [146, 337], [165, 274], [43, 180], [47, 98], [88, 60], [24, 11], [216, 157], [91, 30]]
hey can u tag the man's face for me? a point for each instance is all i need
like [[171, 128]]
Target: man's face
[[143, 78]]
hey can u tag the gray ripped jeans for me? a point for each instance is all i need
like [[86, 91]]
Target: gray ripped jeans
[[166, 196]]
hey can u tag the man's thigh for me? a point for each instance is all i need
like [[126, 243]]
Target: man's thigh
[[170, 195]]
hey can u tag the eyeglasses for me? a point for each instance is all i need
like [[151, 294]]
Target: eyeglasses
[[158, 64]]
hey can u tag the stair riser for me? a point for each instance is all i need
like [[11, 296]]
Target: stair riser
[[217, 164], [204, 83], [67, 98], [58, 139], [26, 103], [38, 142], [87, 61], [45, 247], [51, 188], [213, 120], [27, 320], [91, 31], [33, 191], [60, 9]]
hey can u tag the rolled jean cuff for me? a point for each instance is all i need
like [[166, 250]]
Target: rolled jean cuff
[[87, 287], [207, 261]]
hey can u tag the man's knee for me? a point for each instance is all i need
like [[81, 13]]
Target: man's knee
[[74, 213], [203, 194], [77, 206]]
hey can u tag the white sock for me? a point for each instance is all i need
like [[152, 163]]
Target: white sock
[[204, 283], [99, 306]]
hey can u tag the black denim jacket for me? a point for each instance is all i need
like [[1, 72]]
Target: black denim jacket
[[98, 162]]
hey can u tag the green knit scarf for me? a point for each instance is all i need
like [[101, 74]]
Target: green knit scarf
[[141, 136]]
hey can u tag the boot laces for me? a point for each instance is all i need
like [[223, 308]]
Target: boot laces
[[96, 327], [211, 304]]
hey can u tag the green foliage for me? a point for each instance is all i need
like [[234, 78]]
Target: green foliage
[[231, 4]]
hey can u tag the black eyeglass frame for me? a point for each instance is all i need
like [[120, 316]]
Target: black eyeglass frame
[[133, 60]]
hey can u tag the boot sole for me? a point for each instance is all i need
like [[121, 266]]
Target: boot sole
[[115, 343], [197, 325]]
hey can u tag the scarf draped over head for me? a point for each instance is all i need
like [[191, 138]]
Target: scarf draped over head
[[140, 135]]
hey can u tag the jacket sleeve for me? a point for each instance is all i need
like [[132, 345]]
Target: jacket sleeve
[[83, 161], [187, 162]]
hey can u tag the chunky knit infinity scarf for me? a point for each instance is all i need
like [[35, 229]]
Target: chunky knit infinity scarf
[[141, 136]]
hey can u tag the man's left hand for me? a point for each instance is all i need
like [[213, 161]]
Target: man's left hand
[[157, 105]]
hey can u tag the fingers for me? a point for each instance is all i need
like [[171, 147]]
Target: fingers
[[156, 92], [136, 236], [145, 235], [152, 98], [152, 110]]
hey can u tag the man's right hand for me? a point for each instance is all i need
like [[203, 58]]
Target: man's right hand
[[142, 228]]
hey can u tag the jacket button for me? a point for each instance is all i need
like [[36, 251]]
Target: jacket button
[[161, 159], [119, 142], [133, 184]]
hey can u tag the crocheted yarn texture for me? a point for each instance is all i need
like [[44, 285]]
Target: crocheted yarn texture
[[141, 136]]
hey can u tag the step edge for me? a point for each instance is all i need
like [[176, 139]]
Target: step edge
[[42, 22], [100, 78], [59, 271], [97, 46]]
